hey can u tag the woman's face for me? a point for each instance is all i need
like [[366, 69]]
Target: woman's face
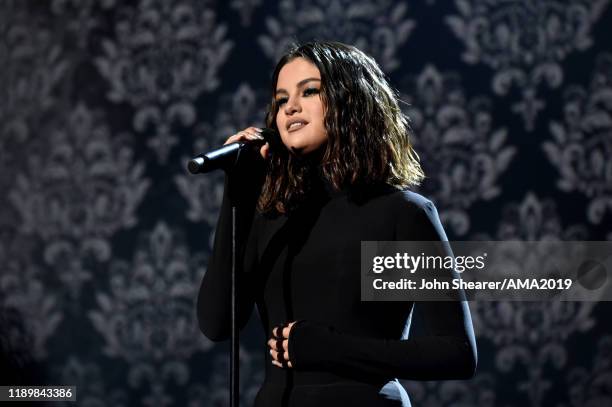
[[300, 116]]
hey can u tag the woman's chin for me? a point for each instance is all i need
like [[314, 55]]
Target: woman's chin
[[308, 151], [300, 151], [299, 148]]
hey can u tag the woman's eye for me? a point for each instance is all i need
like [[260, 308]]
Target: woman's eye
[[307, 92], [311, 91]]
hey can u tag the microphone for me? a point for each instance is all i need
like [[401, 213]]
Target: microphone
[[227, 155]]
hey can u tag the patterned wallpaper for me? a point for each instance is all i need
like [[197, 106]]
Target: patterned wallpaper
[[104, 237]]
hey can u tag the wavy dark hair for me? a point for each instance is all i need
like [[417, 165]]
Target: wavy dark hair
[[368, 135]]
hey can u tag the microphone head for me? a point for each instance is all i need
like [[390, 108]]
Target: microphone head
[[195, 165]]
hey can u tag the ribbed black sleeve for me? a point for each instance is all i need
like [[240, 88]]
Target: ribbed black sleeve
[[241, 189], [446, 351]]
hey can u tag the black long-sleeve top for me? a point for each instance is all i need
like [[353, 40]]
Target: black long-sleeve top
[[306, 266]]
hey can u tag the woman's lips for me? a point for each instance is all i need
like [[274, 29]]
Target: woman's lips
[[293, 127]]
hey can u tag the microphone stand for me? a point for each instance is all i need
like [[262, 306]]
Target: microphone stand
[[234, 334], [235, 329], [234, 387], [195, 165]]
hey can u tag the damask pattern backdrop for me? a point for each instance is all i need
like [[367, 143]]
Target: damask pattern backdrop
[[104, 237]]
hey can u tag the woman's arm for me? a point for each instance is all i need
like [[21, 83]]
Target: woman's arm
[[242, 189], [447, 350]]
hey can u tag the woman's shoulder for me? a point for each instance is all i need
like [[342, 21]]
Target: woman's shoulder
[[415, 216], [404, 200], [414, 199]]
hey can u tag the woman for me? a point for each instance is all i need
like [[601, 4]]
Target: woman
[[338, 178]]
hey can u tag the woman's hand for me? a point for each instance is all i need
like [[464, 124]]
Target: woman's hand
[[279, 345], [250, 133]]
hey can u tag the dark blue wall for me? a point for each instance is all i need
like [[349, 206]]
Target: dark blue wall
[[104, 238]]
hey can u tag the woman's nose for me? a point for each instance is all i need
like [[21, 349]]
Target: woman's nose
[[292, 106]]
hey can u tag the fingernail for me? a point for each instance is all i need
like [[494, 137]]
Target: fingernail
[[258, 129]]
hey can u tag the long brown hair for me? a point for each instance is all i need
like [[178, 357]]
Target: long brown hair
[[368, 135]]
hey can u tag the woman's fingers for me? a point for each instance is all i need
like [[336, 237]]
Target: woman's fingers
[[280, 343], [242, 136], [287, 330], [251, 133], [276, 354], [256, 129], [264, 150], [275, 363], [275, 358], [274, 344]]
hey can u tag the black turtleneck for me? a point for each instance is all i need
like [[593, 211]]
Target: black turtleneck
[[305, 266]]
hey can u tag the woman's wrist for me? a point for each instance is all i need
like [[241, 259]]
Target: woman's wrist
[[311, 345]]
